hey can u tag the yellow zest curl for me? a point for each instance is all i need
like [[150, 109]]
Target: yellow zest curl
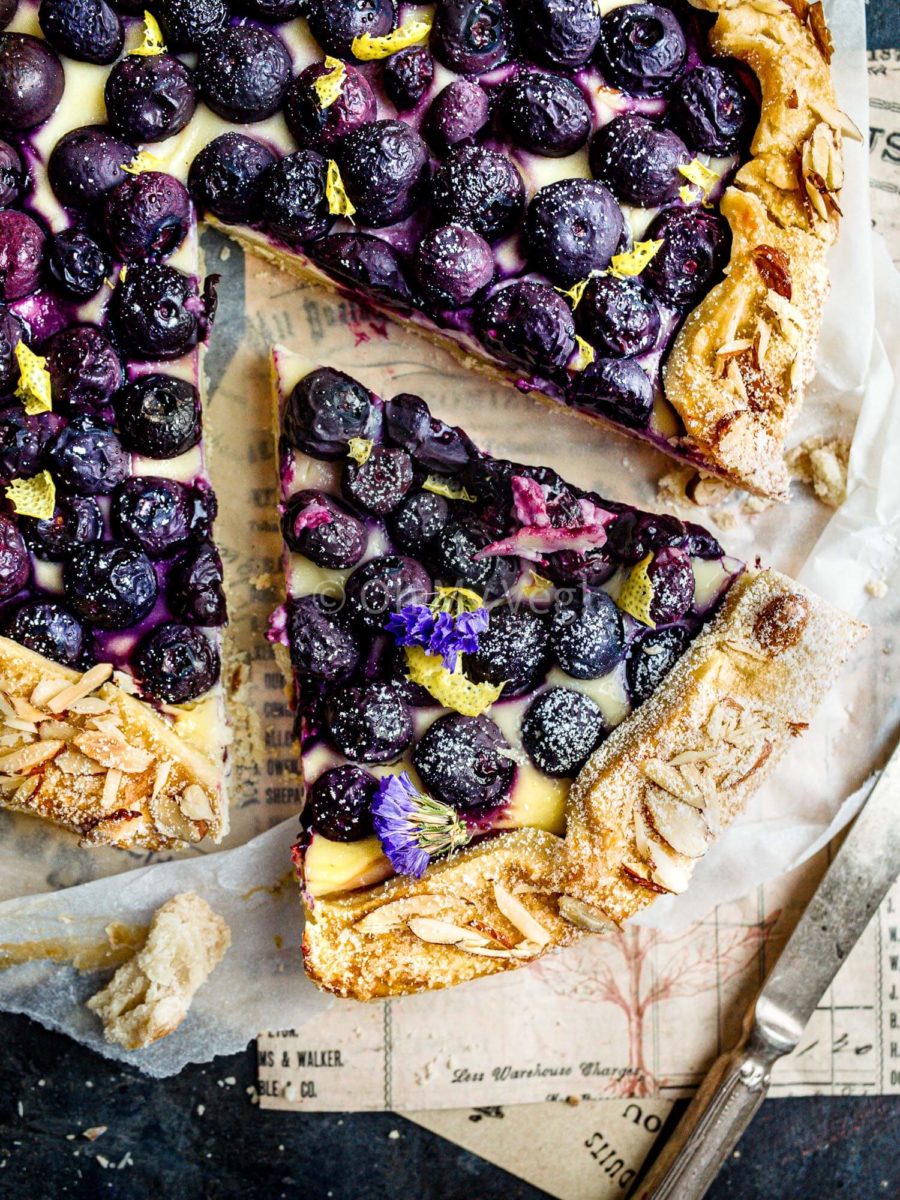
[[339, 203], [585, 354], [35, 497], [329, 87], [360, 449], [365, 47], [701, 176], [632, 263], [34, 381], [576, 293], [637, 594], [452, 689], [539, 586], [443, 487], [153, 42], [144, 161]]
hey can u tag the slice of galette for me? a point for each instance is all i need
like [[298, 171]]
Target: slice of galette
[[523, 710]]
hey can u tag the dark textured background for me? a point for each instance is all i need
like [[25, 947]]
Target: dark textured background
[[51, 1089]]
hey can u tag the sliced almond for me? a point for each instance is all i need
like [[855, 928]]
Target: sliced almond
[[88, 683], [519, 916], [671, 780], [680, 825], [396, 914], [111, 788], [45, 691], [8, 782], [444, 933], [160, 779], [21, 761], [113, 752], [89, 706], [734, 348], [585, 916], [735, 377], [25, 791], [196, 804], [639, 875], [172, 822], [27, 711], [56, 729], [671, 871], [73, 762]]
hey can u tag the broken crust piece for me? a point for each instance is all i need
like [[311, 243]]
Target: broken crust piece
[[78, 750], [643, 810], [150, 994]]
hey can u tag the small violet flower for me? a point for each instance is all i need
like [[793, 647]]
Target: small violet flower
[[413, 828], [439, 633]]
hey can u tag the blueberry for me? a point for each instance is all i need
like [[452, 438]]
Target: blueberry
[[153, 513], [11, 333], [110, 585], [478, 188], [379, 484], [513, 650], [243, 73], [408, 75], [154, 312], [384, 166], [417, 521], [226, 177], [87, 458], [453, 265], [546, 114], [317, 128], [711, 110], [293, 202], [325, 410], [76, 521], [453, 554], [195, 587], [638, 160], [651, 658], [335, 23], [339, 804], [471, 36], [176, 663], [616, 388], [77, 264], [695, 249], [561, 730], [84, 367], [559, 34], [433, 444], [573, 227], [633, 535], [383, 586], [149, 98], [465, 761], [322, 647], [147, 216], [88, 30], [14, 564], [275, 11], [23, 245], [158, 416], [672, 578], [186, 24], [370, 725], [23, 440], [31, 81], [618, 317], [700, 542], [642, 48], [572, 569], [586, 634], [369, 264], [87, 163], [13, 176], [458, 113], [51, 630], [337, 544], [527, 324], [7, 11]]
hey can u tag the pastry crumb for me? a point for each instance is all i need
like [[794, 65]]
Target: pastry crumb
[[263, 582], [756, 504], [822, 462], [877, 588], [94, 1132]]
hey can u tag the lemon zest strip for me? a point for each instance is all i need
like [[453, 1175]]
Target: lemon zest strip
[[35, 497], [365, 47], [329, 87], [154, 42], [33, 389], [339, 203], [632, 263], [360, 449], [636, 595], [452, 689]]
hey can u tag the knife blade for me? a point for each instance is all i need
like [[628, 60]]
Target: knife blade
[[843, 904]]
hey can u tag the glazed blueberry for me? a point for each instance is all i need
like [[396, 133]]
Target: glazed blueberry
[[527, 324], [23, 440], [147, 216], [457, 115], [316, 128], [110, 585], [642, 48], [31, 81], [322, 646], [616, 388], [384, 166], [383, 586], [672, 578], [49, 629], [379, 484], [561, 730], [651, 658], [13, 175], [176, 663], [154, 513], [546, 114], [700, 542], [711, 110], [453, 554], [370, 725], [76, 521], [186, 24], [84, 367], [77, 264], [325, 410], [465, 761], [319, 527], [514, 650], [23, 245], [149, 98], [471, 36], [226, 177], [559, 34], [633, 535], [695, 246], [339, 804], [156, 312], [586, 634], [417, 521], [638, 161], [88, 30], [453, 265], [571, 569], [7, 11], [14, 564], [11, 333], [158, 416], [87, 458], [573, 227], [478, 188], [87, 163], [293, 201], [275, 11], [408, 75], [243, 73], [433, 444], [335, 23], [196, 594], [618, 317], [368, 263]]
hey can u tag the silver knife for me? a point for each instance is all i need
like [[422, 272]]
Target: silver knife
[[843, 904]]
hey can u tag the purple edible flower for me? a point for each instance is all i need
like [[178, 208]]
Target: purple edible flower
[[438, 633], [413, 625], [414, 829]]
